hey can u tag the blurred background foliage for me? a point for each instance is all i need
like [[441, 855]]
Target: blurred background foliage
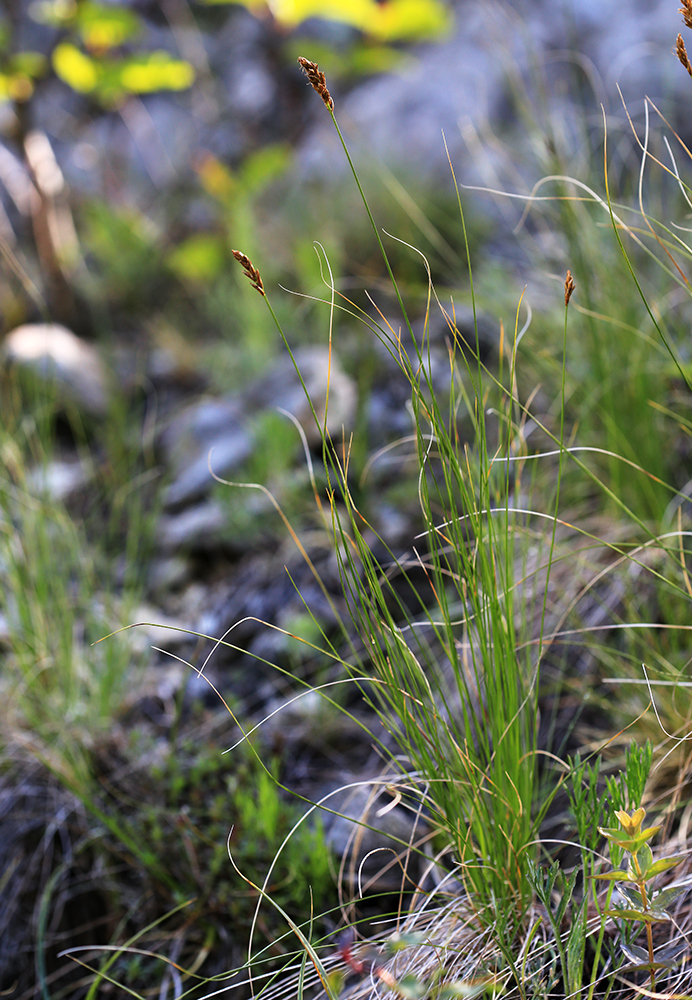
[[148, 194], [89, 55]]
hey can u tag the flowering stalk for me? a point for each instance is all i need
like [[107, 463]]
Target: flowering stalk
[[639, 903]]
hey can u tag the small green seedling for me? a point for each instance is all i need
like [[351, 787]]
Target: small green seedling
[[640, 903]]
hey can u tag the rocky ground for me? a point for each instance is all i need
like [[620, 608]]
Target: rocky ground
[[218, 557]]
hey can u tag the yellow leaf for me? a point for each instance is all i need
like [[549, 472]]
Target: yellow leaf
[[74, 68], [292, 12], [157, 72], [410, 19], [631, 824], [103, 27], [396, 19], [20, 87], [216, 179]]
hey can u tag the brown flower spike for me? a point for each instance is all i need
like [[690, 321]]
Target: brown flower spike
[[681, 52], [569, 287], [318, 80], [251, 271], [686, 11]]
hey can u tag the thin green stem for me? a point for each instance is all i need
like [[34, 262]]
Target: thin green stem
[[375, 229], [599, 940]]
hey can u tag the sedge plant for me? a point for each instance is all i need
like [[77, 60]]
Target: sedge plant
[[453, 666], [456, 679]]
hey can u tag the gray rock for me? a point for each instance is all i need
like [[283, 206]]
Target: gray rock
[[369, 832], [58, 480], [211, 431], [168, 574], [281, 389], [218, 433], [195, 528], [69, 366], [154, 628]]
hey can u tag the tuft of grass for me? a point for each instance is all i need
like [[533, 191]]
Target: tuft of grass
[[457, 686], [61, 694], [453, 666]]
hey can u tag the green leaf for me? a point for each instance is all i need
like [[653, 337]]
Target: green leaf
[[357, 60], [638, 958], [411, 988], [264, 166], [628, 843], [648, 833], [610, 832], [646, 916], [104, 27], [645, 860], [632, 895], [634, 954], [616, 876], [649, 966], [200, 258], [30, 63], [663, 865], [399, 942], [566, 896], [665, 897], [462, 990], [576, 947], [638, 764], [335, 983]]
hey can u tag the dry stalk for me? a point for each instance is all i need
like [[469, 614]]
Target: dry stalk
[[251, 271], [318, 80]]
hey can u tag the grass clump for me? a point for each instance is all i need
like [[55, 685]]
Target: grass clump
[[458, 687], [60, 695], [454, 666]]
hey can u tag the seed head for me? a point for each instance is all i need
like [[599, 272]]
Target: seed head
[[686, 11], [681, 52], [318, 80], [251, 271], [569, 287]]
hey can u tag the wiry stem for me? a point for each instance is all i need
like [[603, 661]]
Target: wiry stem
[[649, 933]]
